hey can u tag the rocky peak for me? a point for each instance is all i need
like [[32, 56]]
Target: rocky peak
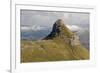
[[59, 29], [59, 22]]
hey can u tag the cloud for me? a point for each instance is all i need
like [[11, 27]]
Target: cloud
[[74, 27], [39, 20], [34, 28], [31, 17], [80, 19], [37, 28], [25, 28]]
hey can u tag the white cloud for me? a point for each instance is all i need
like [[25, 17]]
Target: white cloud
[[25, 28], [74, 27], [34, 28], [42, 20]]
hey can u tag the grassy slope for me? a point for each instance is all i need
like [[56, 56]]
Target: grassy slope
[[51, 50], [54, 49], [65, 31]]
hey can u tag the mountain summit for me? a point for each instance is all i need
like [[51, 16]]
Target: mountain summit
[[60, 44], [59, 29]]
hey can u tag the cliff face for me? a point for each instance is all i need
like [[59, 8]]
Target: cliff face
[[60, 30], [60, 44]]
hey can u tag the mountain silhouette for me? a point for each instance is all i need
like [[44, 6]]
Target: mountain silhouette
[[59, 29]]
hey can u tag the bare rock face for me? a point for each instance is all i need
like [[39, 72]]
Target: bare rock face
[[75, 40], [56, 29], [60, 30]]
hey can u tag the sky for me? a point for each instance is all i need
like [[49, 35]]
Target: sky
[[42, 20]]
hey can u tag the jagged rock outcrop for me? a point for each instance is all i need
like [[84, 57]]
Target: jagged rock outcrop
[[61, 31]]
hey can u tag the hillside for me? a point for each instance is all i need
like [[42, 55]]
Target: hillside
[[60, 44]]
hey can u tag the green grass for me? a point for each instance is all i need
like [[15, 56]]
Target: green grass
[[65, 31], [51, 50]]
